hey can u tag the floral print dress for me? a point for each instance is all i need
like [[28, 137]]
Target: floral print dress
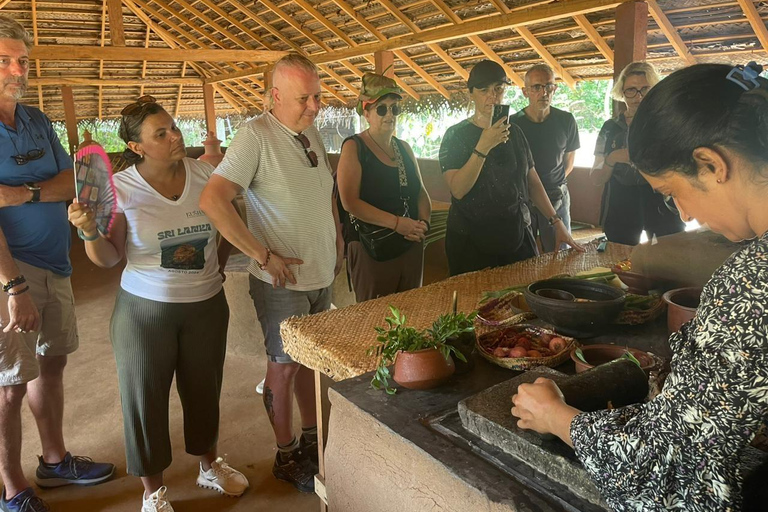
[[682, 450]]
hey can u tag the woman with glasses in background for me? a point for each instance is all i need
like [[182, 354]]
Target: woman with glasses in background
[[380, 188], [490, 172], [629, 204], [171, 315]]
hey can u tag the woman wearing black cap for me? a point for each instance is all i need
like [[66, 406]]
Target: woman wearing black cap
[[489, 170], [700, 137], [380, 187]]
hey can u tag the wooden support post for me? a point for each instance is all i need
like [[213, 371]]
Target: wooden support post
[[116, 30], [631, 40], [210, 111], [70, 118], [384, 63], [323, 407]]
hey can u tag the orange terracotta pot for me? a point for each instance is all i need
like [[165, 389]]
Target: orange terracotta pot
[[422, 369]]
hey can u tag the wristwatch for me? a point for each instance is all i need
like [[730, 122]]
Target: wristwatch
[[35, 189]]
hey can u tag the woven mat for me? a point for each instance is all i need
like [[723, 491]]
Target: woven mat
[[335, 342]]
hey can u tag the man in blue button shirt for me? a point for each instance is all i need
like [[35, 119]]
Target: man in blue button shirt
[[36, 303]]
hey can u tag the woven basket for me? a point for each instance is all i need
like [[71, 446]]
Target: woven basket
[[526, 363], [641, 316], [510, 309]]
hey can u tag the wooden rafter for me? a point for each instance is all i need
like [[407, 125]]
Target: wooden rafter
[[181, 88], [67, 52], [670, 32], [202, 17], [488, 52], [117, 82], [594, 36], [102, 40], [399, 81], [755, 21], [116, 30], [546, 56], [3, 3], [173, 42], [538, 14]]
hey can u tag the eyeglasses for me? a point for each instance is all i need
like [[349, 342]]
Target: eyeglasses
[[137, 106], [537, 88], [382, 110], [634, 91], [32, 154], [305, 144]]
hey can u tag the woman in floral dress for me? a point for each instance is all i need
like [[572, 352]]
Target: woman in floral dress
[[701, 137]]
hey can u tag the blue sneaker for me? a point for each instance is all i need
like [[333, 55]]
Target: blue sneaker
[[25, 501], [73, 470]]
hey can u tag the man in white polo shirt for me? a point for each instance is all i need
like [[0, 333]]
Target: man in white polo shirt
[[293, 238]]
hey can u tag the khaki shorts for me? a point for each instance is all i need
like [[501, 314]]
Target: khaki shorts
[[52, 294]]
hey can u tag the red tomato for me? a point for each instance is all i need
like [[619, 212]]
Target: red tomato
[[518, 351]]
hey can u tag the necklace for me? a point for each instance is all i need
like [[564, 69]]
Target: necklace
[[175, 197], [379, 145]]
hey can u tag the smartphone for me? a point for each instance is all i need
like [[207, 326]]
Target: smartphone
[[499, 112]]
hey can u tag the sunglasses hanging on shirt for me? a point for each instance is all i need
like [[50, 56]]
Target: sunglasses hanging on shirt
[[311, 155], [33, 154]]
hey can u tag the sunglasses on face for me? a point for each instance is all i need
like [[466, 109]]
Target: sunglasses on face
[[538, 88], [311, 155], [634, 91], [383, 109], [32, 154], [137, 106]]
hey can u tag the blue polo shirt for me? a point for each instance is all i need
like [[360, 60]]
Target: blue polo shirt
[[37, 234]]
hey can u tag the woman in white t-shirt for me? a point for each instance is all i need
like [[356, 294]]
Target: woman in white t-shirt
[[171, 314]]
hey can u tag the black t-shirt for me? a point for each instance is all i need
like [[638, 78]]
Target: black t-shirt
[[494, 211], [380, 183], [550, 140]]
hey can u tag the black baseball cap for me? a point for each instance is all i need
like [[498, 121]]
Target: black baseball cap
[[485, 73]]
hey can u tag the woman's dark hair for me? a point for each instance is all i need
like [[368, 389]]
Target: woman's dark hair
[[697, 107], [130, 129]]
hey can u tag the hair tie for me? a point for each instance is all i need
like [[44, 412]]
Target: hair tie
[[748, 77]]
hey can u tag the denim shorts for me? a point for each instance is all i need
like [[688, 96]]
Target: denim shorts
[[273, 305]]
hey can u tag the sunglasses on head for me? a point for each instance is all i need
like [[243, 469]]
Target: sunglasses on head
[[137, 106], [311, 155], [382, 110], [32, 154]]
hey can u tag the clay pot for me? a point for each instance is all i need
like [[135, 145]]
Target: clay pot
[[601, 354], [466, 343], [213, 154], [682, 304], [422, 369]]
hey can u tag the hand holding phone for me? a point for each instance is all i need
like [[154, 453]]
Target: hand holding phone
[[499, 112]]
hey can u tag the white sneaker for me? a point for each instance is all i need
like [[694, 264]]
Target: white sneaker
[[260, 387], [223, 478], [156, 502]]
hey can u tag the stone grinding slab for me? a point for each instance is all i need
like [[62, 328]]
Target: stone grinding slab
[[487, 415]]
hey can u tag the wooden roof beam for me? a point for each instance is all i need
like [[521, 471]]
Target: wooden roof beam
[[38, 71], [324, 21], [538, 14], [144, 63], [3, 3], [546, 56], [488, 52], [67, 52], [124, 82], [423, 74], [205, 19], [116, 30], [410, 91], [266, 26], [670, 32], [295, 24], [755, 21], [594, 36]]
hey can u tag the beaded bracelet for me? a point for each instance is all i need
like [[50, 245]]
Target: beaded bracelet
[[23, 290], [16, 281], [263, 266], [82, 236]]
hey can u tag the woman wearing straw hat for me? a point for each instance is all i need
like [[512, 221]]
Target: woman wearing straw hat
[[489, 170], [380, 188], [629, 204]]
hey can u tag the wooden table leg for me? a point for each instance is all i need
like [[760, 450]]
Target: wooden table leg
[[322, 383]]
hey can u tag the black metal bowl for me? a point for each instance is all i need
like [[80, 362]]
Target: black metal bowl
[[596, 306]]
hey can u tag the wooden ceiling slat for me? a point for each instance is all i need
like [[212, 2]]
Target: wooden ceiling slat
[[670, 32], [755, 21]]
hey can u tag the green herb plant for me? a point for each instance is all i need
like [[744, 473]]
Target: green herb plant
[[451, 326], [396, 336], [627, 355]]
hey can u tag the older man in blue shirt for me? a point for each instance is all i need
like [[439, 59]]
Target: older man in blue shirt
[[36, 303]]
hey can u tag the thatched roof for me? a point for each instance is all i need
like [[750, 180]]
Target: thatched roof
[[435, 43]]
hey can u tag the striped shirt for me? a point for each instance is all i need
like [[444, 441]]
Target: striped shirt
[[288, 202]]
